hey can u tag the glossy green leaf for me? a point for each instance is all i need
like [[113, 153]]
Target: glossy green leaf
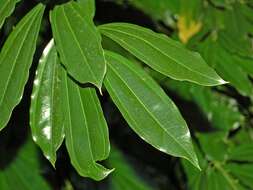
[[243, 152], [147, 109], [23, 172], [124, 177], [46, 115], [244, 172], [6, 8], [15, 60], [78, 43], [86, 132], [162, 53]]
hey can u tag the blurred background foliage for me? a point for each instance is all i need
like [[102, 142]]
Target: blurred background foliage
[[220, 118]]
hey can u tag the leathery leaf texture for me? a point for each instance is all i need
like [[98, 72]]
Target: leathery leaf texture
[[147, 109], [78, 43], [46, 113], [86, 132], [15, 60], [162, 53]]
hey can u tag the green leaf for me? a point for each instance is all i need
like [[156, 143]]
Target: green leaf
[[15, 60], [3, 181], [86, 132], [46, 115], [89, 7], [217, 140], [6, 8], [233, 38], [243, 152], [23, 173], [243, 172], [124, 177], [227, 66], [162, 53], [219, 179], [245, 63], [147, 109], [78, 43], [196, 179]]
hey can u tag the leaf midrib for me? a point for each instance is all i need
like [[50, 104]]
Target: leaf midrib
[[159, 124], [78, 45]]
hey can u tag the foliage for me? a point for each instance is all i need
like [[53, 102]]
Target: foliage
[[136, 66]]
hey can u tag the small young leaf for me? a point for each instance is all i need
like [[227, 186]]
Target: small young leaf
[[6, 8], [147, 109], [46, 115], [15, 60], [78, 43], [162, 53], [85, 129]]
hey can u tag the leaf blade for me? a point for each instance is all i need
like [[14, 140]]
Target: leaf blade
[[14, 61], [7, 7], [79, 48], [141, 102], [78, 138], [162, 53], [46, 116]]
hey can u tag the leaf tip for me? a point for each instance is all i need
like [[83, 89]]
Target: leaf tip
[[195, 163], [110, 171], [221, 81]]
